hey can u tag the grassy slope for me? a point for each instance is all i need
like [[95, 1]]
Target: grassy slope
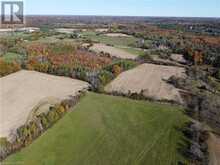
[[109, 130]]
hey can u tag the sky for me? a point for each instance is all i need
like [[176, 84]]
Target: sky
[[187, 8]]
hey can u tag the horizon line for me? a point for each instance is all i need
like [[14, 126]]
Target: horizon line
[[214, 17]]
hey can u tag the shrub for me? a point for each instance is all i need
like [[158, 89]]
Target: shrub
[[105, 77], [116, 70], [8, 67], [123, 64], [44, 121], [52, 116], [60, 110], [5, 148], [35, 131]]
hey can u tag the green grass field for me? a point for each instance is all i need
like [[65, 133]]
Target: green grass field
[[106, 130], [119, 41], [134, 51]]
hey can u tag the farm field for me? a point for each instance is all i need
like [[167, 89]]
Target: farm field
[[165, 62], [133, 51], [121, 130], [151, 82], [117, 35], [65, 30], [22, 91], [110, 40], [178, 58], [118, 40], [114, 52], [101, 30]]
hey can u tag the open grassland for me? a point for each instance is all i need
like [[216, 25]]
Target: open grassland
[[109, 130], [115, 41], [23, 90]]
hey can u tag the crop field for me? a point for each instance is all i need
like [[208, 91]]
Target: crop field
[[17, 102], [110, 40], [152, 88], [101, 30], [109, 130], [117, 35], [121, 41], [114, 52], [151, 82], [65, 30], [133, 51]]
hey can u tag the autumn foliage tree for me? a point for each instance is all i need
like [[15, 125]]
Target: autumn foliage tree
[[8, 68], [198, 57], [116, 70]]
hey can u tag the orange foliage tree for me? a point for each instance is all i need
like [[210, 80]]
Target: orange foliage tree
[[7, 68], [198, 57]]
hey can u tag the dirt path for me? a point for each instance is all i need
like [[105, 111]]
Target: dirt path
[[22, 91], [214, 149], [150, 79]]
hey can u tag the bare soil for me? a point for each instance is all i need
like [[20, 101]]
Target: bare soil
[[102, 30], [167, 61], [114, 52], [149, 79], [22, 91], [178, 58], [65, 30], [117, 35]]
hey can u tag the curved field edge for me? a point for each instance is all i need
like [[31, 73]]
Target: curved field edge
[[109, 130]]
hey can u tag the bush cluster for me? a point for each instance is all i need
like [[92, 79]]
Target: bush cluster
[[8, 67]]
